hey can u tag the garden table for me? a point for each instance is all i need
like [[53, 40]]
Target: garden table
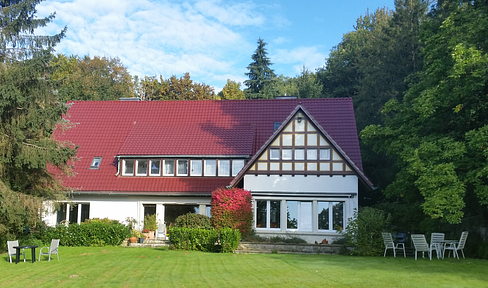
[[17, 252]]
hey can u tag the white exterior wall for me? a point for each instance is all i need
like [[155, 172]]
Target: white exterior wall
[[300, 183]]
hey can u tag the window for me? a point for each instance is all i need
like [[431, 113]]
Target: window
[[276, 125], [182, 168], [324, 154], [224, 167], [141, 168], [169, 168], [299, 215], [155, 168], [268, 214], [299, 154], [96, 163], [237, 166], [286, 154], [210, 168], [274, 154], [330, 215], [311, 154], [208, 210], [287, 139], [299, 139], [128, 167], [196, 168]]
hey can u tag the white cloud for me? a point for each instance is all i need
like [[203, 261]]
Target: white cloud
[[311, 57]]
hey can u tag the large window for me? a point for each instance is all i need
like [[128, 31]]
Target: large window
[[299, 215], [128, 167], [330, 215], [268, 214]]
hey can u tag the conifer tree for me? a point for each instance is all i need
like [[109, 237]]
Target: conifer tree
[[29, 112], [260, 75]]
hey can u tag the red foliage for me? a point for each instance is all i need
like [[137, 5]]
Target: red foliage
[[232, 208]]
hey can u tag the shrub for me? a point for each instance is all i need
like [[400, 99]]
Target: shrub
[[232, 208], [224, 240], [364, 231], [229, 240], [150, 222], [193, 220]]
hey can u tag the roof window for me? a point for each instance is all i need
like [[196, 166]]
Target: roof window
[[95, 164]]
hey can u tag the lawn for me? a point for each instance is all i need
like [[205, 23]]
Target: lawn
[[150, 267]]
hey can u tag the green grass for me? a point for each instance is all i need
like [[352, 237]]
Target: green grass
[[148, 267]]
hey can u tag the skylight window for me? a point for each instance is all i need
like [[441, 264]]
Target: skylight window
[[95, 164]]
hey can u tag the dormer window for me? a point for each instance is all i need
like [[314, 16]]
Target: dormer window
[[169, 168], [141, 168], [96, 163], [128, 167], [155, 168], [182, 168]]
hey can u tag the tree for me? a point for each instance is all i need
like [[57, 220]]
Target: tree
[[232, 91], [259, 73], [29, 112], [182, 88], [100, 78], [439, 131]]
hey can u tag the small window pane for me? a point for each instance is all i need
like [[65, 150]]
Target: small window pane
[[196, 168], [274, 214], [261, 212], [155, 168], [96, 163], [323, 209], [299, 139], [338, 215], [287, 139], [311, 154], [292, 214], [299, 154], [287, 154], [141, 167], [312, 139], [128, 168], [237, 166], [305, 220], [224, 167], [182, 167], [169, 167], [324, 154], [210, 168], [274, 154]]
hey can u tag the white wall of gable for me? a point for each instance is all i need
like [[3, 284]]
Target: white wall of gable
[[300, 183]]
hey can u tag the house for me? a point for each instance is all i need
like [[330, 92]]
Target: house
[[299, 158]]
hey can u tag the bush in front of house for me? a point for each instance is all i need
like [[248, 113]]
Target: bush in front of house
[[193, 220], [232, 208], [90, 233], [223, 240]]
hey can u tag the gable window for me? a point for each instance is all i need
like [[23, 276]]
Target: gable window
[[274, 154], [324, 154], [182, 168], [155, 168], [210, 168], [196, 168], [128, 167], [299, 154], [311, 154], [268, 214], [224, 167], [237, 166], [286, 154], [96, 163], [141, 168], [169, 168]]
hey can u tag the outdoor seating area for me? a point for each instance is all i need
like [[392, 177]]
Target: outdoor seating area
[[14, 249], [439, 244]]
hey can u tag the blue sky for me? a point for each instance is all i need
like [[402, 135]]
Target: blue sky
[[213, 40]]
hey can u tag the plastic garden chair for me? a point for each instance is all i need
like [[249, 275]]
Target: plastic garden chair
[[53, 249], [456, 246], [12, 251], [389, 244], [420, 245]]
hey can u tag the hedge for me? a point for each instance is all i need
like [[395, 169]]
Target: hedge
[[224, 240]]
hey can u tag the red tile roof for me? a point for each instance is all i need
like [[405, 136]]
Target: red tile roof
[[240, 127]]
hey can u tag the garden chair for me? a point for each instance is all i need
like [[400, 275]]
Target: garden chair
[[456, 246], [53, 249], [12, 251], [389, 244], [437, 243], [420, 245]]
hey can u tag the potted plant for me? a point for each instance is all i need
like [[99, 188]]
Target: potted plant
[[150, 224], [131, 222]]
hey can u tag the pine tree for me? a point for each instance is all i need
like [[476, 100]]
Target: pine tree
[[260, 75], [29, 112]]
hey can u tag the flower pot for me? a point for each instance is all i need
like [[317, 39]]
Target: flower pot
[[141, 240], [133, 239]]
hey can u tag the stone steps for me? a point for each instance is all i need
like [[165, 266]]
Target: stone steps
[[148, 243]]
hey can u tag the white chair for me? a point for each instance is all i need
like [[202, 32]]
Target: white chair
[[53, 249], [455, 246], [389, 244], [420, 245], [436, 243], [12, 251]]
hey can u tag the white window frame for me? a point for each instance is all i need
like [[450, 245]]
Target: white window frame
[[308, 155], [212, 171], [224, 173], [297, 157], [274, 154], [268, 214], [326, 157], [177, 167], [192, 164], [150, 170], [300, 214], [137, 167], [165, 173], [237, 166], [283, 154], [124, 168], [331, 215]]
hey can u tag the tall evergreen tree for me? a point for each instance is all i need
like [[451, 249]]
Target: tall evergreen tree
[[29, 112], [260, 75]]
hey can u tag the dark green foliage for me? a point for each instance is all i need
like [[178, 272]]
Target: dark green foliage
[[364, 231], [224, 240], [193, 220], [260, 75], [96, 233], [150, 222]]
